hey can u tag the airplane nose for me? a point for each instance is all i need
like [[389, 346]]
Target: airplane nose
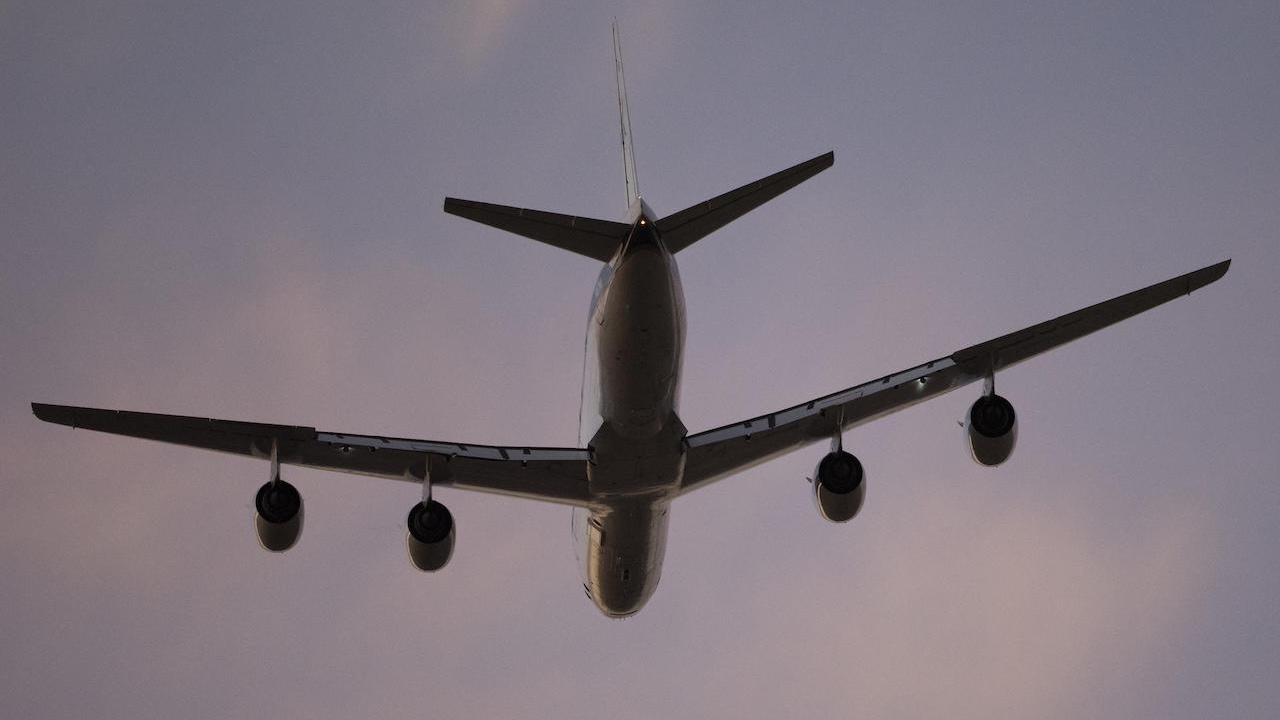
[[620, 605]]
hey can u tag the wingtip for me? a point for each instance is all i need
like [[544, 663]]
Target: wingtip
[[815, 165], [43, 411], [458, 206], [1217, 270], [1207, 275], [68, 415]]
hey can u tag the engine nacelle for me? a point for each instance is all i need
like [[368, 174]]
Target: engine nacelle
[[839, 486], [278, 519], [992, 427], [429, 539]]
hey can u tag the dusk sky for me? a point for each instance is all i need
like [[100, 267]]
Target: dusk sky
[[233, 209]]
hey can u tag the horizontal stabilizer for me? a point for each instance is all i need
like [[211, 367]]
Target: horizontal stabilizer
[[596, 239], [686, 227]]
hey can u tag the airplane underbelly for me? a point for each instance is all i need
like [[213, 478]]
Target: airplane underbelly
[[621, 551], [639, 376], [641, 334]]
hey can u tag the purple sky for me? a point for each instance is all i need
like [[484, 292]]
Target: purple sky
[[232, 209]]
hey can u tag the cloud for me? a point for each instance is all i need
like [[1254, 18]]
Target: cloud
[[483, 26]]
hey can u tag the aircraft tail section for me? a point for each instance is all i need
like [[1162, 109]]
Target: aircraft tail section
[[624, 115], [600, 239], [686, 227], [596, 239]]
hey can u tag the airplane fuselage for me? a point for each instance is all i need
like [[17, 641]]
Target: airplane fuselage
[[631, 386]]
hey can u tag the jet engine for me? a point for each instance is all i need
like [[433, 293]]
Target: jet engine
[[429, 539], [992, 427], [839, 486], [279, 515]]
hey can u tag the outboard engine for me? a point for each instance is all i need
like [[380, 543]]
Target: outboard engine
[[839, 486], [992, 427], [278, 519], [429, 539]]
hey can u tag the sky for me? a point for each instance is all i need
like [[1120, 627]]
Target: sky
[[233, 210]]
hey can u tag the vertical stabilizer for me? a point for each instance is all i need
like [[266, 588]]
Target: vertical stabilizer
[[624, 114]]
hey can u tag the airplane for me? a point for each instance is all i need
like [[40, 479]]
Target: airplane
[[634, 456]]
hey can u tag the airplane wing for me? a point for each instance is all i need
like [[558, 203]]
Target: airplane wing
[[716, 453], [550, 474]]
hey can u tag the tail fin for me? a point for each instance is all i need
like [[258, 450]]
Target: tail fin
[[624, 114], [686, 227]]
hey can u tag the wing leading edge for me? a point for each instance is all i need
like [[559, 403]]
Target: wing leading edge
[[551, 474], [719, 452]]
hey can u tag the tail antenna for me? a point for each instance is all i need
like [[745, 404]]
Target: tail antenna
[[624, 113]]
